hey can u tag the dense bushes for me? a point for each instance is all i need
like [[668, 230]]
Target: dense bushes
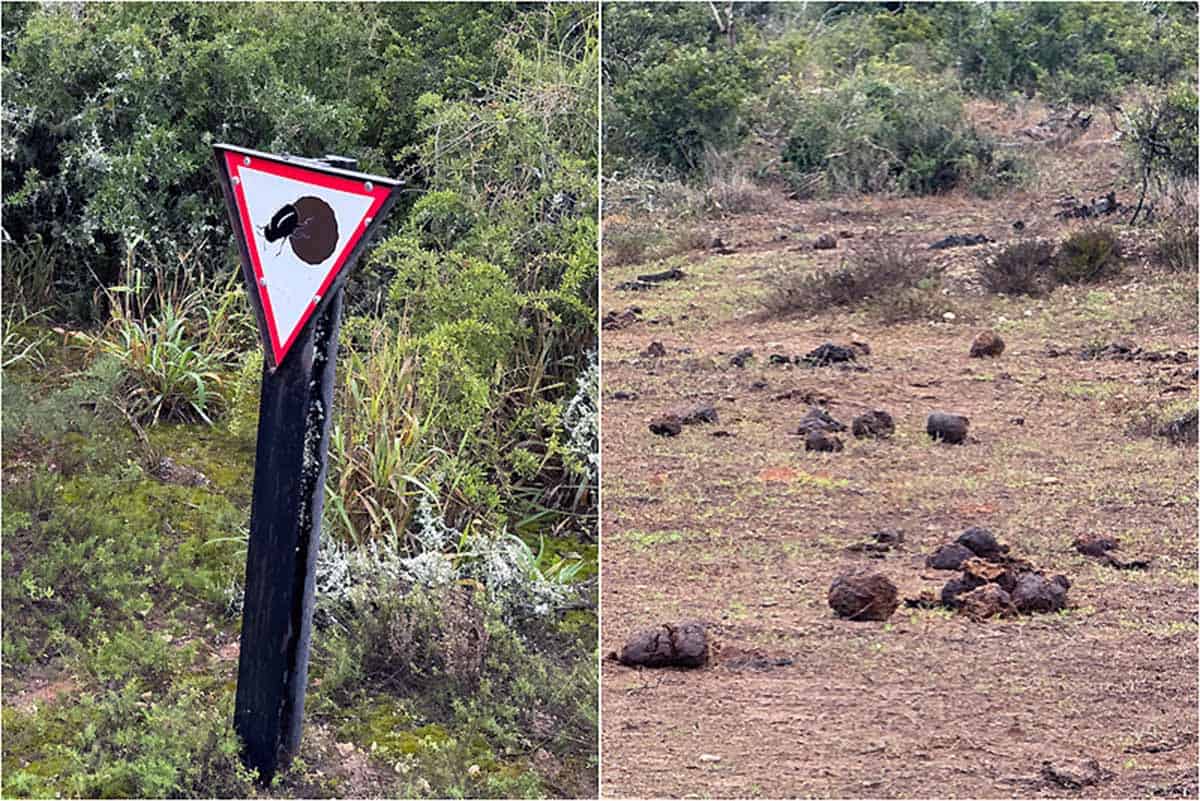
[[831, 93], [673, 110], [886, 129], [110, 112]]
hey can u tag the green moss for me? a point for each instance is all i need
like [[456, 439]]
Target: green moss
[[215, 452], [431, 759]]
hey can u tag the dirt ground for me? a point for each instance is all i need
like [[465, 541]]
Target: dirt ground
[[746, 531]]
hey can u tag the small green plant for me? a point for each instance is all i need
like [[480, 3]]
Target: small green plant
[[19, 346], [167, 372], [1023, 268], [1090, 254], [879, 272]]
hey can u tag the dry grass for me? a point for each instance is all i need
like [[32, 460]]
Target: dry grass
[[1023, 268], [894, 275]]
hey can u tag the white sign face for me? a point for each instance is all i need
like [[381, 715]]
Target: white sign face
[[300, 224], [293, 284]]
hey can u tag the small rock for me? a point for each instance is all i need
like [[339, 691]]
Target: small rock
[[947, 427], [877, 424], [1075, 776], [982, 543], [988, 572], [863, 595], [990, 600], [171, 472], [957, 587], [624, 395], [817, 419], [1095, 544], [888, 536], [1017, 421], [986, 343], [759, 384], [778, 358], [700, 413], [615, 320], [673, 274], [710, 758], [669, 425], [654, 350], [1034, 593], [949, 556], [827, 354], [819, 440], [883, 542], [1184, 430], [682, 644], [742, 357], [825, 242], [961, 241], [861, 347]]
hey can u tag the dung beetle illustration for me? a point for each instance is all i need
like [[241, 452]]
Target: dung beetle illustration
[[308, 225]]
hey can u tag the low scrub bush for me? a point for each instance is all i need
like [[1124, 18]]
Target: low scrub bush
[[730, 187], [1179, 243], [1090, 254], [629, 244], [925, 300], [887, 129], [874, 275], [1023, 268]]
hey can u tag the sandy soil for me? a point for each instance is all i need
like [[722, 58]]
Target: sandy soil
[[746, 531]]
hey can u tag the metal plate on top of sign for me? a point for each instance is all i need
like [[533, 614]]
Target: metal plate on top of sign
[[300, 225]]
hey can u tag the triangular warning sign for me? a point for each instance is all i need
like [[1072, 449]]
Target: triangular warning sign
[[300, 225]]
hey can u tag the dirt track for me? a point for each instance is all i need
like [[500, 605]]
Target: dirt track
[[746, 531]]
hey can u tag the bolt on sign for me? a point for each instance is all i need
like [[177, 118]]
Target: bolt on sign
[[300, 225]]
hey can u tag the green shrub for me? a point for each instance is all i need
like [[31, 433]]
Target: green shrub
[[1023, 268], [378, 456], [245, 396], [1078, 53], [672, 110], [886, 128], [881, 271], [111, 110], [629, 244], [1090, 254]]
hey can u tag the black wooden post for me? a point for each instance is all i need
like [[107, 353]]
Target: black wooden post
[[285, 530], [295, 414]]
